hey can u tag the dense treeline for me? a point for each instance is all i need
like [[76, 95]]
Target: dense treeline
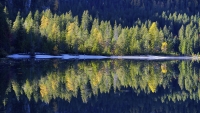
[[164, 82], [101, 27], [5, 34], [123, 11]]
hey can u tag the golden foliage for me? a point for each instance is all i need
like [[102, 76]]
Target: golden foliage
[[69, 84], [163, 68], [43, 90], [96, 79], [164, 47], [153, 30], [54, 28], [97, 34], [16, 88], [152, 83], [70, 29], [99, 77], [54, 84], [44, 22], [28, 90]]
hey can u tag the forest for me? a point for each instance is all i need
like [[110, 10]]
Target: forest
[[117, 27]]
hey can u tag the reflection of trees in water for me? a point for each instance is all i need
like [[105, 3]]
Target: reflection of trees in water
[[88, 79]]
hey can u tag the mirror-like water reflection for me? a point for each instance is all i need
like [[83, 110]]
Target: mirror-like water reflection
[[99, 86]]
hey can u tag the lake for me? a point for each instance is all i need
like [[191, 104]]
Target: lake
[[99, 86]]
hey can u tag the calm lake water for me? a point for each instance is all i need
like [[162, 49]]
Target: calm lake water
[[99, 86]]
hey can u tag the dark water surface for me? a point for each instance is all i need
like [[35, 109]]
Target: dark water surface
[[99, 86]]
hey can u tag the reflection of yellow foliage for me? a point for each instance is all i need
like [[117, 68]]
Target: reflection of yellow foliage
[[152, 87], [28, 90], [94, 82], [69, 83], [152, 83], [16, 88], [99, 76], [163, 68], [53, 84], [43, 90], [96, 79]]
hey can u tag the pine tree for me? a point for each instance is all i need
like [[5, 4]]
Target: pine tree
[[16, 24], [122, 46], [43, 25], [84, 32], [36, 17], [182, 46], [106, 30], [154, 33], [28, 26], [145, 39], [116, 32], [4, 31], [28, 23], [36, 31], [71, 36], [134, 46], [85, 21]]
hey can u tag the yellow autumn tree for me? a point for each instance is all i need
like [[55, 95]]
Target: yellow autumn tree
[[164, 47], [152, 82], [97, 39], [70, 31], [43, 25], [154, 34], [71, 36], [28, 23], [44, 22]]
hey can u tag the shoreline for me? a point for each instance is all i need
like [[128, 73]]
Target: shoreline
[[134, 57]]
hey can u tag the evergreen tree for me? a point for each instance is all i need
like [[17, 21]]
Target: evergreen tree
[[28, 23], [16, 24], [71, 37], [4, 31], [154, 37], [28, 26]]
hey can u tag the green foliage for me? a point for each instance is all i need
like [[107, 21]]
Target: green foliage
[[28, 23], [16, 24], [154, 37], [45, 31]]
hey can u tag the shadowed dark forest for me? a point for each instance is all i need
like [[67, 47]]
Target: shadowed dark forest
[[117, 27]]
